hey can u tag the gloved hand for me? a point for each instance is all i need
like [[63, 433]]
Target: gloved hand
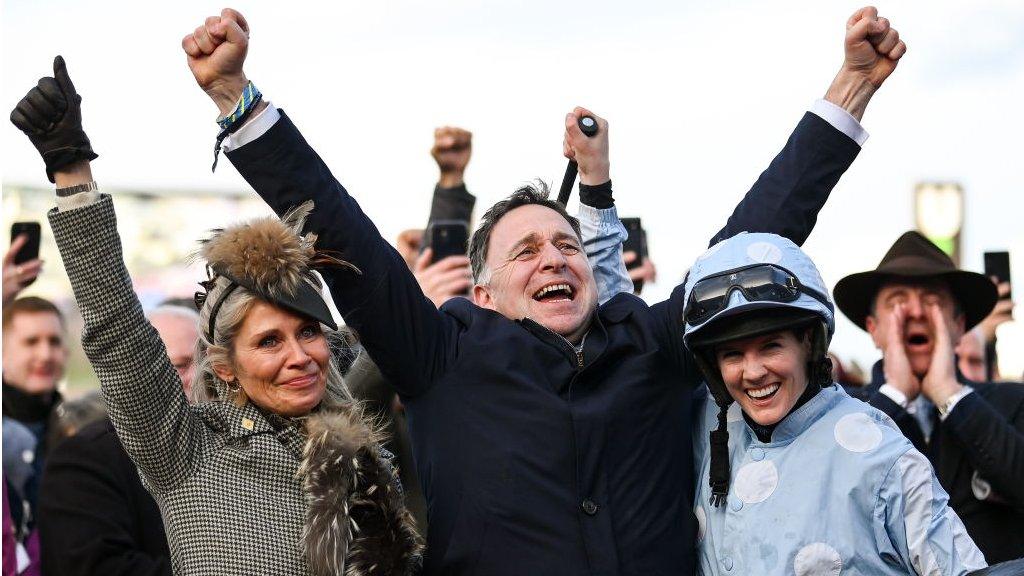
[[51, 116]]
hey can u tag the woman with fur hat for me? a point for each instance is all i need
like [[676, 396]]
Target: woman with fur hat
[[278, 472], [797, 477]]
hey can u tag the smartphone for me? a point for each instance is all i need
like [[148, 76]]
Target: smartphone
[[637, 242], [30, 251], [998, 264], [447, 238]]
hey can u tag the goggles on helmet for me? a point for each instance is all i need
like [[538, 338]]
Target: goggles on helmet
[[757, 282]]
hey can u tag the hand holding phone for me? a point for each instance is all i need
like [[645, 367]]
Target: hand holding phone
[[21, 262]]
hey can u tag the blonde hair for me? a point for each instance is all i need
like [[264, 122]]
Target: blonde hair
[[208, 387]]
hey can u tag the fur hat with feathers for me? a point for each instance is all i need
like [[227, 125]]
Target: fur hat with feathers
[[272, 258], [271, 254]]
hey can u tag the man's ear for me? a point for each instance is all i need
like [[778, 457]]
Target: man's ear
[[960, 323], [871, 325], [482, 297]]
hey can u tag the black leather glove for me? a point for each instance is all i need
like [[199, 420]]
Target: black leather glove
[[51, 116]]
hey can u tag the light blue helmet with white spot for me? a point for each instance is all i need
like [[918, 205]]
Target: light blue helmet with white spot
[[748, 285], [780, 278]]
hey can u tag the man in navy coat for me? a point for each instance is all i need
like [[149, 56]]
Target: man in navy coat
[[551, 434]]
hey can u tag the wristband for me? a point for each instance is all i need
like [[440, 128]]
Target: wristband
[[77, 189], [249, 98], [229, 124]]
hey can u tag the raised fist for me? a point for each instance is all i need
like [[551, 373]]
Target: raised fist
[[590, 153], [452, 149], [216, 52], [51, 116], [873, 47]]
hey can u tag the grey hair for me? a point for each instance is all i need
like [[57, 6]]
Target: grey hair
[[208, 387], [536, 192], [175, 311]]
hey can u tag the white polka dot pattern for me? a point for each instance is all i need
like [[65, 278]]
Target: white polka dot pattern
[[817, 559], [756, 481], [858, 433], [764, 252], [734, 414]]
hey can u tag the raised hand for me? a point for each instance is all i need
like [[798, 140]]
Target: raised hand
[[17, 276], [445, 279], [216, 52], [873, 47], [51, 116], [408, 245], [872, 50], [590, 153], [1000, 314], [940, 382], [452, 150], [645, 272], [896, 364]]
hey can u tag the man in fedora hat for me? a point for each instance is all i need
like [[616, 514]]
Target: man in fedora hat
[[916, 305]]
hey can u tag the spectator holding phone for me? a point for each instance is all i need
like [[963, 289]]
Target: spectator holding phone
[[917, 305], [17, 276]]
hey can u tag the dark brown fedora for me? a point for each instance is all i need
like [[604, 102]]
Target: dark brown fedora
[[914, 258]]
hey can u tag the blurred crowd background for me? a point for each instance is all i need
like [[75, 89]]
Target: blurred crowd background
[[697, 95]]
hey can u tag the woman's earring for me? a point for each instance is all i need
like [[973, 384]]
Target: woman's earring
[[234, 386]]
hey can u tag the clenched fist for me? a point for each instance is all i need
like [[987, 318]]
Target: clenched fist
[[216, 52], [452, 149], [872, 48], [590, 153]]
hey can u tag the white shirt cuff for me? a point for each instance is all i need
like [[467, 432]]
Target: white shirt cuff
[[840, 120], [951, 403], [253, 128], [895, 395]]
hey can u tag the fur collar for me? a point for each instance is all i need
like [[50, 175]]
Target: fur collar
[[357, 523]]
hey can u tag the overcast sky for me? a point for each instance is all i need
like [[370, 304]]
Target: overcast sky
[[700, 97]]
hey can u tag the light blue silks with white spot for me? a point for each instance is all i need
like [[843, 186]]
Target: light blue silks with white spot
[[838, 490]]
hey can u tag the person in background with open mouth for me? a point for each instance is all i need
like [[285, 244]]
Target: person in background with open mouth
[[787, 444], [917, 305]]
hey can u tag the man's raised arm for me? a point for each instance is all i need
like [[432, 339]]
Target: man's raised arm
[[396, 323], [787, 196]]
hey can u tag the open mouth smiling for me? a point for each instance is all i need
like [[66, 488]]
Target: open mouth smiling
[[559, 292], [764, 393]]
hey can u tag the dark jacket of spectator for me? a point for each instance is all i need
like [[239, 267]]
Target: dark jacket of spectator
[[94, 515], [978, 455], [535, 459]]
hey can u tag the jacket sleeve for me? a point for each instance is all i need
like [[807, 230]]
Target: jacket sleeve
[[603, 236], [785, 200], [86, 517], [400, 328], [455, 203], [143, 393], [993, 445], [915, 526], [787, 197]]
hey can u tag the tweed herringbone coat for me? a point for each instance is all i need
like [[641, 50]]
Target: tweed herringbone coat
[[226, 477]]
